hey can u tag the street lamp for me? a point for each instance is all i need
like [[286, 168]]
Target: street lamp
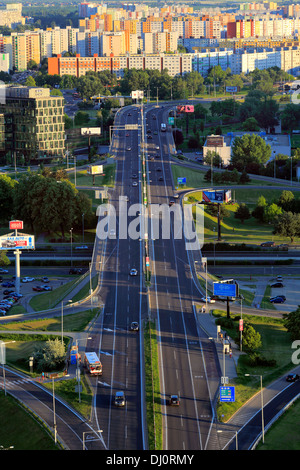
[[262, 405], [71, 238]]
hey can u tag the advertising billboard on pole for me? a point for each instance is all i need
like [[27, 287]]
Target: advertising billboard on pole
[[22, 242]]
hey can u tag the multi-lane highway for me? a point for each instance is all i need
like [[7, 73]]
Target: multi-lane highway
[[183, 370]]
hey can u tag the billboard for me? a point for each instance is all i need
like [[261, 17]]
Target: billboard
[[16, 225], [223, 289], [231, 89], [216, 197], [90, 130], [187, 108], [23, 242], [95, 169], [137, 95]]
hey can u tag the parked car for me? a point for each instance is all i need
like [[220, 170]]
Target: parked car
[[47, 288], [8, 284], [174, 400], [279, 299], [292, 377], [276, 284], [28, 279], [45, 279], [37, 288], [7, 291]]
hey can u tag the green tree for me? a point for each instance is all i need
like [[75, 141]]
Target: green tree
[[50, 357], [291, 322], [286, 200], [30, 81], [7, 186], [271, 212], [288, 225], [242, 212], [259, 210], [251, 337], [249, 149]]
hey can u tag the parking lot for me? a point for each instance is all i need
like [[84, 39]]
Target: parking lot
[[290, 290], [26, 289]]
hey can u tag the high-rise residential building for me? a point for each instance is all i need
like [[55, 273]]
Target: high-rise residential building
[[34, 123], [25, 47]]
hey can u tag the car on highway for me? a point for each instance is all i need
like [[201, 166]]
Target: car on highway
[[278, 299], [82, 247], [134, 326], [292, 377], [75, 271], [28, 279], [128, 149], [158, 169], [134, 175], [134, 183], [160, 178], [157, 147], [267, 244], [133, 272], [119, 399], [174, 400], [171, 202], [149, 136], [209, 300], [276, 284]]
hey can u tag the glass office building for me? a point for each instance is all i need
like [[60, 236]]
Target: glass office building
[[34, 123]]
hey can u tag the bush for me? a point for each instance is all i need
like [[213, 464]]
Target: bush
[[255, 360]]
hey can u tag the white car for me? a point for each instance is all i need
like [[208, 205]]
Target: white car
[[134, 183], [209, 300], [133, 272], [28, 279]]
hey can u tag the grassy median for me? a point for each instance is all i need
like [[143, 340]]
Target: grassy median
[[152, 385]]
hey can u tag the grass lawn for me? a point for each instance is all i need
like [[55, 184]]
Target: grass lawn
[[19, 428], [232, 229], [52, 298], [73, 322], [84, 179], [284, 434]]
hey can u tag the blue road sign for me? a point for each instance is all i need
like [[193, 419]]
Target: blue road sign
[[227, 393]]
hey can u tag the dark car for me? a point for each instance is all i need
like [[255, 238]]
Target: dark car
[[8, 291], [134, 326], [264, 244], [292, 377], [279, 299], [37, 288], [8, 284], [75, 271], [174, 400], [277, 284]]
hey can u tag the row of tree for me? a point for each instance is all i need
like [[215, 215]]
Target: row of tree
[[46, 201]]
